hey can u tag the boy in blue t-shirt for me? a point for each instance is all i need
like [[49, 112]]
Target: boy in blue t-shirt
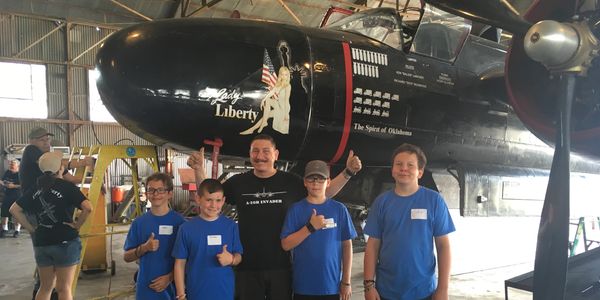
[[151, 238], [403, 225], [206, 249], [319, 231]]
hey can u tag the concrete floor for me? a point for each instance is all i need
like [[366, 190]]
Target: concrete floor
[[486, 251]]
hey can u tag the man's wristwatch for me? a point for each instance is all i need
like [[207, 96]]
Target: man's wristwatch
[[310, 228]]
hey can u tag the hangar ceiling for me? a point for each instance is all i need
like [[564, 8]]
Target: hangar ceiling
[[120, 13]]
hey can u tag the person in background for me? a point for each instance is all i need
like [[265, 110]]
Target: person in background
[[262, 197], [319, 232], [207, 248], [151, 238], [12, 192], [403, 224], [56, 242], [39, 143]]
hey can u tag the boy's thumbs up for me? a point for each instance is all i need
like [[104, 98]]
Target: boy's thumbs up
[[317, 221], [225, 258], [151, 244]]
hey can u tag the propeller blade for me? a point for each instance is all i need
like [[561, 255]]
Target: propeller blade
[[498, 13], [550, 272]]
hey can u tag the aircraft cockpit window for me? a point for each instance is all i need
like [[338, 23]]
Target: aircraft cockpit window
[[383, 27], [440, 34]]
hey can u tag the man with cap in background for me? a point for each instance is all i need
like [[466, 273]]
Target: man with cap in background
[[39, 143]]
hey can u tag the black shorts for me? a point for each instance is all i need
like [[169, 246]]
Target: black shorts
[[6, 203], [256, 285]]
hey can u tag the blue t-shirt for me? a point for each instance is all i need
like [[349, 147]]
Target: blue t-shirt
[[157, 263], [406, 227], [199, 241], [317, 261]]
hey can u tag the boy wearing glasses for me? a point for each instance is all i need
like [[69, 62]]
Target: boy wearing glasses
[[151, 238], [319, 232], [207, 248]]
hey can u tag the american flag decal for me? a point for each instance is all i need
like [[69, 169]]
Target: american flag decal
[[268, 71]]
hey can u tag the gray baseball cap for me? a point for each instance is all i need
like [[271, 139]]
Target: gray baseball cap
[[316, 167], [38, 132]]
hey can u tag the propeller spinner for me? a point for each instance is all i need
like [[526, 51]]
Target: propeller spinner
[[562, 47]]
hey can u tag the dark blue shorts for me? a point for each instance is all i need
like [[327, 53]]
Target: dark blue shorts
[[65, 254]]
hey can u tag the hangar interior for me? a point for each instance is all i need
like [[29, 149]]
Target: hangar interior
[[47, 79]]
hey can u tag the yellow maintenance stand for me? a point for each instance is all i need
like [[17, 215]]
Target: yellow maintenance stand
[[94, 230]]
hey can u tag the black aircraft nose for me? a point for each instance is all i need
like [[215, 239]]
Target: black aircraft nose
[[187, 80]]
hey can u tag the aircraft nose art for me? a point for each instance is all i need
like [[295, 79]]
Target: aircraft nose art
[[187, 80]]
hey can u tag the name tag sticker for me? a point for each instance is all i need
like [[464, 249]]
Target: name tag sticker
[[213, 240], [330, 223], [165, 229], [418, 214]]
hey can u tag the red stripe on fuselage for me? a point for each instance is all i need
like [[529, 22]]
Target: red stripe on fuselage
[[348, 111]]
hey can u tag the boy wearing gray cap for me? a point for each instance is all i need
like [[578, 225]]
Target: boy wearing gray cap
[[319, 232]]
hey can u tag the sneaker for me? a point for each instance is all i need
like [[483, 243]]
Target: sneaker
[[3, 233], [16, 233]]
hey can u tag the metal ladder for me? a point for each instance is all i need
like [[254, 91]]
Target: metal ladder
[[94, 231]]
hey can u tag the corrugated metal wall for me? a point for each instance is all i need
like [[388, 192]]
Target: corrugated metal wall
[[19, 32], [44, 39], [16, 132], [56, 85], [79, 93], [81, 38]]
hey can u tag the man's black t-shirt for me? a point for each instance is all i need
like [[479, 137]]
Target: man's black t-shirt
[[14, 193], [262, 205], [30, 171], [51, 210]]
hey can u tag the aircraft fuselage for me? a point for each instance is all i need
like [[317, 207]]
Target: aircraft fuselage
[[179, 82]]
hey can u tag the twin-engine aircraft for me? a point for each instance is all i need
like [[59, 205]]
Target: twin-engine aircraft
[[368, 82]]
